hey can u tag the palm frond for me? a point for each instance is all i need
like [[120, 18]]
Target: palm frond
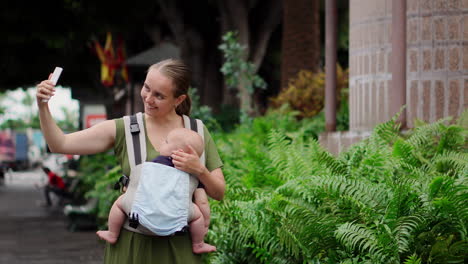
[[358, 237], [366, 192], [453, 138], [406, 153], [449, 197], [297, 165], [447, 251], [335, 166], [278, 146], [424, 135], [353, 156], [405, 229], [421, 175], [413, 259], [388, 131], [304, 231], [385, 198], [450, 162]]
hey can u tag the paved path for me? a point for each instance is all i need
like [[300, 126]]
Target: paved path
[[31, 234]]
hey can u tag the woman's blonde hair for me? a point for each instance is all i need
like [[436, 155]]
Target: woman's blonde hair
[[180, 75]]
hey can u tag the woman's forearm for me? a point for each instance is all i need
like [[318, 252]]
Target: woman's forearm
[[190, 163], [215, 185], [53, 135]]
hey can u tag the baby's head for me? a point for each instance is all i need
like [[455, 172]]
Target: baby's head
[[180, 138]]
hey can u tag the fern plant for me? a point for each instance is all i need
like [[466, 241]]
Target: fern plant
[[100, 172], [393, 198]]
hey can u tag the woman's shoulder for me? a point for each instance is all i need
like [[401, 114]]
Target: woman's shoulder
[[119, 130], [119, 122]]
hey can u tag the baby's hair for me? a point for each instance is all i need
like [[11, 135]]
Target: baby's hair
[[188, 137]]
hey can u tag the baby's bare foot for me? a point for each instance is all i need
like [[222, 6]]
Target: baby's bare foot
[[202, 247], [107, 236]]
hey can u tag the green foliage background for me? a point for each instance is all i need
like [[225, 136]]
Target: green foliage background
[[393, 198]]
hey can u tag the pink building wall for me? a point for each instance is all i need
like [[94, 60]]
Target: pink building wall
[[437, 65]]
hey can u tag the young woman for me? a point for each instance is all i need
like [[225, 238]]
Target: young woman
[[165, 98]]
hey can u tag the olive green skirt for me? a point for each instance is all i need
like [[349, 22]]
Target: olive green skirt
[[135, 248]]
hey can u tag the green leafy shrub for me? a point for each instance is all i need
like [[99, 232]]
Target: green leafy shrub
[[240, 73], [99, 173], [392, 198], [306, 92], [202, 112]]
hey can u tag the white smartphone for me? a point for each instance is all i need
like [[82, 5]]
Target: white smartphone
[[54, 78]]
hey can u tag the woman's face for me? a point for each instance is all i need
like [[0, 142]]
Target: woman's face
[[157, 94]]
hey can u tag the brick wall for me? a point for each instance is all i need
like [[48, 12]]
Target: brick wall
[[437, 60], [437, 64]]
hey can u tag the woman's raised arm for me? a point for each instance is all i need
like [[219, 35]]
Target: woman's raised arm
[[93, 140]]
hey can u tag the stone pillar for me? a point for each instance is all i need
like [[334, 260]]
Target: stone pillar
[[397, 94], [369, 62]]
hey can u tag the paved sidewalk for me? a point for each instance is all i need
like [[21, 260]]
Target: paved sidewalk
[[31, 234]]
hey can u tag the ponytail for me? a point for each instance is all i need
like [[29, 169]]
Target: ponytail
[[184, 107]]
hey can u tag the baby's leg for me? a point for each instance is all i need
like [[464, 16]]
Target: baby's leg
[[201, 199], [116, 220], [197, 231]]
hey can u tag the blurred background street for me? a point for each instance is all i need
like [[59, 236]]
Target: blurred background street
[[34, 234], [342, 125]]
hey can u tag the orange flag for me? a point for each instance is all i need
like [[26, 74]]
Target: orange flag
[[110, 61]]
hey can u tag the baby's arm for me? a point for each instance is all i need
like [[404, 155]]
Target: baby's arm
[[201, 200]]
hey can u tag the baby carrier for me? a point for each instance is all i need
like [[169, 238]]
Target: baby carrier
[[158, 197]]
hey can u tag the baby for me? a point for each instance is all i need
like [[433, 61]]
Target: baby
[[200, 212]]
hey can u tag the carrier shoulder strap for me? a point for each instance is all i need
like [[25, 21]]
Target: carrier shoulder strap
[[197, 126], [135, 139]]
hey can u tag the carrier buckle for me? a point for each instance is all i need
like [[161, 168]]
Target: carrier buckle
[[123, 181], [134, 128], [181, 232], [133, 220]]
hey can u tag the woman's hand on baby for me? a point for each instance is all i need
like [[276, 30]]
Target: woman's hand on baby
[[187, 161]]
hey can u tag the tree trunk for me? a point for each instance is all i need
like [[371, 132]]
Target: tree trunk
[[197, 52], [212, 82], [301, 47], [234, 15], [194, 53], [253, 36], [230, 95]]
